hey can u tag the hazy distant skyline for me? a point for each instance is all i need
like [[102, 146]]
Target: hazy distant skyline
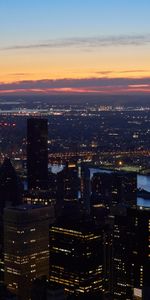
[[75, 46]]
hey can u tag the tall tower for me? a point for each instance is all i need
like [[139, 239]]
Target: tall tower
[[37, 153]]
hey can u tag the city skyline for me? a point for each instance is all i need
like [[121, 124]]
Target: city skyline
[[75, 47]]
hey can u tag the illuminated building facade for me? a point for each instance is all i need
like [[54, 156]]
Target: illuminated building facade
[[37, 153], [76, 258], [39, 197], [26, 252]]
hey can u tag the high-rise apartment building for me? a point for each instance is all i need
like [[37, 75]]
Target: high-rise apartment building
[[37, 153], [26, 246]]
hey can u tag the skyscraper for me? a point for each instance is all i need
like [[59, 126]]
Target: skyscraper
[[26, 246], [37, 153], [76, 257]]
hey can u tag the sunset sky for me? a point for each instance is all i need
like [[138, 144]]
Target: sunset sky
[[74, 46]]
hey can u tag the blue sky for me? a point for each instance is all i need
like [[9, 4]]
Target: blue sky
[[25, 21]]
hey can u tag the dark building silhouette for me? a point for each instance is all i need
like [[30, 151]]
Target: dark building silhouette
[[85, 187], [131, 254], [11, 190], [124, 188], [139, 220], [76, 257], [113, 188], [122, 285], [101, 194], [10, 186], [101, 184], [42, 289], [68, 186], [37, 153], [108, 252], [5, 294]]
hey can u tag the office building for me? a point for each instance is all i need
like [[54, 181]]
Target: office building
[[26, 247], [76, 257], [37, 153]]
